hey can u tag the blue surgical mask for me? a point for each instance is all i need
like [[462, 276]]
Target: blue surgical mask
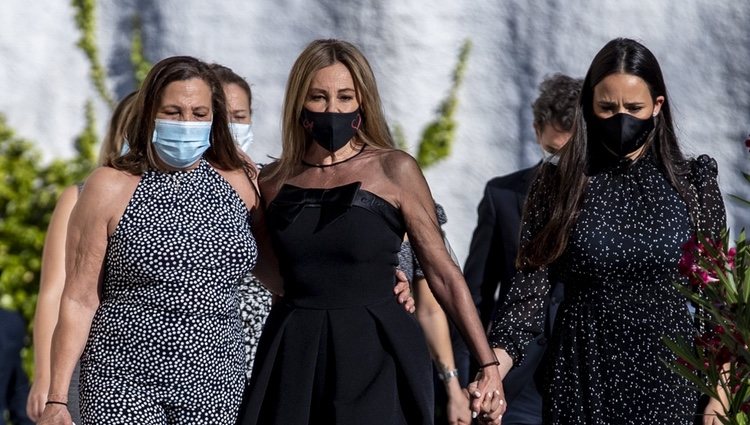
[[125, 147], [243, 135], [181, 143], [552, 158]]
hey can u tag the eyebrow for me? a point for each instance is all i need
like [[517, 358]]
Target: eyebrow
[[171, 105], [318, 89], [610, 103]]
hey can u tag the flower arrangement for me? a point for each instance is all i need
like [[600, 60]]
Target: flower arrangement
[[718, 363]]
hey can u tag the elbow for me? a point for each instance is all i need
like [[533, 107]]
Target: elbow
[[427, 314]]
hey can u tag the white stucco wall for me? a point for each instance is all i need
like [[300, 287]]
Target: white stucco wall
[[703, 47]]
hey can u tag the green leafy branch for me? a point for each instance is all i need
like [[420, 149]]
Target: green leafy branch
[[438, 136], [85, 18], [141, 65]]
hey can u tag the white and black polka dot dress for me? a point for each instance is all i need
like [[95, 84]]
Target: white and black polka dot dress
[[255, 306], [165, 345], [607, 357]]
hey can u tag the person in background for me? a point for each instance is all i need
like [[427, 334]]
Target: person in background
[[338, 349], [609, 221], [451, 403], [52, 278], [157, 242], [14, 385], [255, 299], [490, 265]]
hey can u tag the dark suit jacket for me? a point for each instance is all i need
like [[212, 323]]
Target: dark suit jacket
[[14, 385], [489, 270]]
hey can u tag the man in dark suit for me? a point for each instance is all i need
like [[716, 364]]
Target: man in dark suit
[[490, 266], [14, 385]]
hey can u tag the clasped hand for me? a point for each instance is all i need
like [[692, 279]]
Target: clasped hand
[[487, 396]]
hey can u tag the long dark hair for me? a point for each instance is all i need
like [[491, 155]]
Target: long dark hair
[[559, 190], [227, 76], [142, 156]]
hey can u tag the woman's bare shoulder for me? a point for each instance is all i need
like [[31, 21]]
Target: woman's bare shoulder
[[106, 186], [108, 179], [268, 180], [397, 164]]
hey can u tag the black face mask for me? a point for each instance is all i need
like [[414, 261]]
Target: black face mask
[[621, 133], [331, 130]]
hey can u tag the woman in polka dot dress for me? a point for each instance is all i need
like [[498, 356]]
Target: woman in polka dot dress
[[255, 299], [610, 221], [157, 244]]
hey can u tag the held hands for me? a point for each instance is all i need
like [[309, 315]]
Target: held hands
[[457, 408], [487, 396], [403, 292]]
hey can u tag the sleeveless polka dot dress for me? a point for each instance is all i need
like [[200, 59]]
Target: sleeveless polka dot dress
[[165, 345]]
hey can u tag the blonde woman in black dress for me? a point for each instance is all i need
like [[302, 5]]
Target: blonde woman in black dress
[[338, 349]]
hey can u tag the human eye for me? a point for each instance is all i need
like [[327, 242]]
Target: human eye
[[202, 112], [606, 106]]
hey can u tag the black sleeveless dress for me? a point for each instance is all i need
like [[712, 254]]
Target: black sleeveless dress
[[338, 349]]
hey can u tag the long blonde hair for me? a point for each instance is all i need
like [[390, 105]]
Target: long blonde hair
[[115, 138], [316, 56]]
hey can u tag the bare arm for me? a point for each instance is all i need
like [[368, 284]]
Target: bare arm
[[94, 217], [434, 323], [443, 276], [51, 286]]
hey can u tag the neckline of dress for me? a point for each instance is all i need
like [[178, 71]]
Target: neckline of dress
[[202, 163], [309, 164]]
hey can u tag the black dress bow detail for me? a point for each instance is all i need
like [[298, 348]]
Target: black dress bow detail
[[291, 200]]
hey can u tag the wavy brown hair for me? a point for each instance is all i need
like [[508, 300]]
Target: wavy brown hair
[[142, 156], [316, 56], [558, 191]]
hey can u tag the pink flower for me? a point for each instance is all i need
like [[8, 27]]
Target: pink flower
[[730, 257], [687, 265]]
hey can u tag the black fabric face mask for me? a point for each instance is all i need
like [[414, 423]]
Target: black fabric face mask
[[621, 133], [331, 130]]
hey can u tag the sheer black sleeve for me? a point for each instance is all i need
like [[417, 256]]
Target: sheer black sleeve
[[521, 317]]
